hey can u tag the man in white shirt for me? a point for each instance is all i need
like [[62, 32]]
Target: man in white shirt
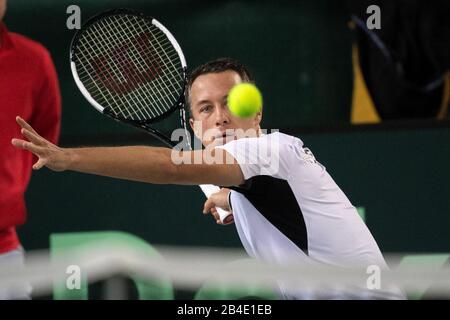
[[284, 202]]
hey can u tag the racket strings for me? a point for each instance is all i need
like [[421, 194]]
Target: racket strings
[[153, 61], [92, 84], [137, 100], [177, 77], [121, 62], [165, 46], [174, 79], [164, 51], [134, 78], [130, 65], [115, 71], [105, 94]]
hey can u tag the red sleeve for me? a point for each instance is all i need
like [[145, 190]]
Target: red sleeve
[[46, 115]]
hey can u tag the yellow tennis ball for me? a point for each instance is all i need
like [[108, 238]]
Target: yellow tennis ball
[[244, 100]]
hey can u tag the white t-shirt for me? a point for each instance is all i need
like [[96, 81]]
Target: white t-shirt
[[289, 206]]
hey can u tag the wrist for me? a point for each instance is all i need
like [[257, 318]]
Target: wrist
[[71, 158]]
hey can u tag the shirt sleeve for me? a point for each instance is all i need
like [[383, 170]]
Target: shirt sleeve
[[270, 154], [46, 114]]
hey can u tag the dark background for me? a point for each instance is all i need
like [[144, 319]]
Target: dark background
[[300, 54]]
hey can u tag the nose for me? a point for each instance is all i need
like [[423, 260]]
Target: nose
[[222, 116]]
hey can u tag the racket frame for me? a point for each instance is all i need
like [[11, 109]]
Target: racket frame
[[178, 105], [226, 218]]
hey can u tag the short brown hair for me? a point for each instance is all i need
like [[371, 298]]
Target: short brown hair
[[217, 66]]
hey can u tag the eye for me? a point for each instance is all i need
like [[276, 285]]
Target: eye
[[206, 108]]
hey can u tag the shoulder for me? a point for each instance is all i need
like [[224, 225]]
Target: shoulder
[[29, 48], [34, 59], [281, 139], [272, 140], [24, 43], [269, 154]]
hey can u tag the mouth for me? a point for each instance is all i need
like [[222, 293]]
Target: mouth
[[224, 137], [224, 134]]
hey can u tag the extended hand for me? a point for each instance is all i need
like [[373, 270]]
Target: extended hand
[[49, 155]]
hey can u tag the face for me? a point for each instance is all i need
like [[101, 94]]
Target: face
[[2, 9], [208, 98]]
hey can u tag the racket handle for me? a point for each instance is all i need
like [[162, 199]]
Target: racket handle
[[226, 217]]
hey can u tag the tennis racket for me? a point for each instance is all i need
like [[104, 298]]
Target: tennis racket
[[130, 68]]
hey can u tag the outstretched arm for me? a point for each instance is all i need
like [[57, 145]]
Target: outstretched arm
[[145, 164]]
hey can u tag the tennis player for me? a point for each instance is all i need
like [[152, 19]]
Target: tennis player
[[285, 203]]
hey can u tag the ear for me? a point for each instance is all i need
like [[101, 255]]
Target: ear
[[194, 128], [258, 118]]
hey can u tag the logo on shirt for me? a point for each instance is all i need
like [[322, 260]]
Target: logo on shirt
[[308, 156]]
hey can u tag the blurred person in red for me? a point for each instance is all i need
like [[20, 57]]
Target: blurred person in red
[[29, 87]]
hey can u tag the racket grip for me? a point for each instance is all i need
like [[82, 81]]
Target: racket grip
[[226, 217]]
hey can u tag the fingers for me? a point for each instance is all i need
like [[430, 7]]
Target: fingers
[[38, 151], [38, 165], [19, 143], [216, 215], [30, 133], [25, 125], [26, 145], [33, 137], [210, 207]]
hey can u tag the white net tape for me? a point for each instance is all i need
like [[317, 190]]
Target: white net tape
[[189, 268]]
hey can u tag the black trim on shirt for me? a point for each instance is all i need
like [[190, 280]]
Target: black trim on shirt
[[276, 201]]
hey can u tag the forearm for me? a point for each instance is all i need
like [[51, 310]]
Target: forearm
[[145, 164]]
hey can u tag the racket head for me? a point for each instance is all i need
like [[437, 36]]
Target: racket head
[[129, 66]]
